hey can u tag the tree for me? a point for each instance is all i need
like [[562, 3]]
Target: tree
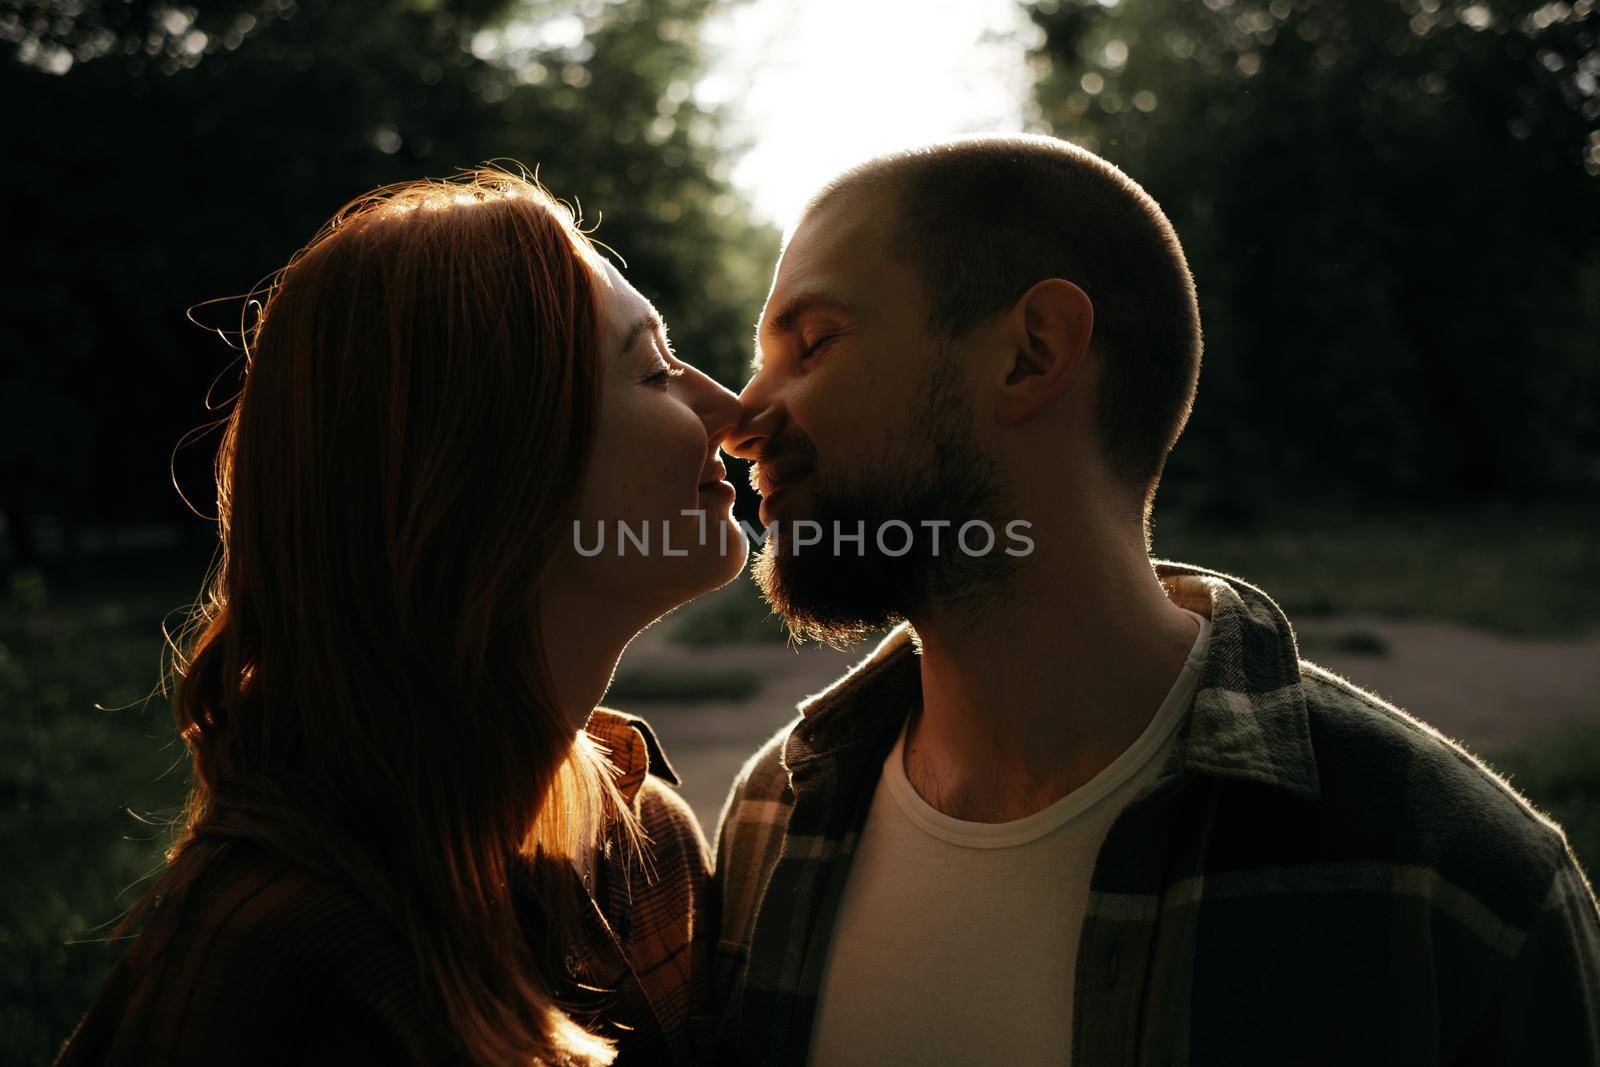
[[1390, 207], [167, 155]]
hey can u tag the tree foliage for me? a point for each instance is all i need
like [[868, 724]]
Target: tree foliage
[[165, 155], [1390, 207]]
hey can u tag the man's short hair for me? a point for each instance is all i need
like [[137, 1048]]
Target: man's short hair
[[985, 218]]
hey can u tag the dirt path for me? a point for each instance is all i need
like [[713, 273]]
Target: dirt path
[[1483, 690]]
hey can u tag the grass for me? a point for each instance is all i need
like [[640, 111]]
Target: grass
[[691, 685], [1351, 642], [1560, 774], [1522, 572], [72, 775], [733, 615]]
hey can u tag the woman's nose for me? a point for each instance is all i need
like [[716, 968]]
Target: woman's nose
[[720, 409]]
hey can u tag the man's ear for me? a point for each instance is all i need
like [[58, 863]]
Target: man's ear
[[1050, 327]]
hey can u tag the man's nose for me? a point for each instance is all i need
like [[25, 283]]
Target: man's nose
[[746, 440], [760, 420]]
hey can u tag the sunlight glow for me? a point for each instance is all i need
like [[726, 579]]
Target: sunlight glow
[[814, 88]]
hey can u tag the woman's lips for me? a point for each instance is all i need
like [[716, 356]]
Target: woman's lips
[[715, 482], [717, 475]]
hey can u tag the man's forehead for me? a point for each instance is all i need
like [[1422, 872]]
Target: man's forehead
[[848, 226], [834, 253]]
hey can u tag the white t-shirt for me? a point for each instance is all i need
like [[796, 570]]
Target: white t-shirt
[[956, 942]]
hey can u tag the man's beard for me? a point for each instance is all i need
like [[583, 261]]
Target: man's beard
[[840, 592]]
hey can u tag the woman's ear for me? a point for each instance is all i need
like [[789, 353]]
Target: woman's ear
[[1050, 327]]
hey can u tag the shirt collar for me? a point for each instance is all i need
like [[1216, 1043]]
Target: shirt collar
[[1248, 722], [632, 748]]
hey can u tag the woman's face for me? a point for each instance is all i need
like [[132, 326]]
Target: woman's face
[[654, 522]]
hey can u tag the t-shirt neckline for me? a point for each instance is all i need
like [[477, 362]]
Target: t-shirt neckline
[[1047, 820]]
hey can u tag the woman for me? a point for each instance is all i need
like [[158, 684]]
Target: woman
[[402, 845]]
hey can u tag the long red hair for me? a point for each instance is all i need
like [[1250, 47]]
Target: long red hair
[[362, 685]]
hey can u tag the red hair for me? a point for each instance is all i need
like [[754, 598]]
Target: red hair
[[363, 686]]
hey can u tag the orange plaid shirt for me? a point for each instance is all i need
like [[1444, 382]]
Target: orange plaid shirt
[[659, 911], [270, 962]]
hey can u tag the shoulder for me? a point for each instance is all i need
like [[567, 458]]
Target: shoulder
[[1426, 801], [750, 835], [252, 962], [254, 909], [670, 827], [658, 899], [660, 883], [1469, 876], [1442, 783], [760, 796], [760, 789], [648, 784]]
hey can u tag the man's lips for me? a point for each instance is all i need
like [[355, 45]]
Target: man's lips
[[774, 498], [769, 477]]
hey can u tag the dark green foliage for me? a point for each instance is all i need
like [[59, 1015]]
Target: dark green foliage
[[734, 615], [87, 744], [1560, 773], [1347, 642], [73, 776], [150, 169], [1512, 570], [1394, 220], [689, 685], [182, 158]]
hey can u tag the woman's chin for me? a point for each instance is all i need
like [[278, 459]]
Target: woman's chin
[[704, 569], [653, 567], [712, 569], [735, 564]]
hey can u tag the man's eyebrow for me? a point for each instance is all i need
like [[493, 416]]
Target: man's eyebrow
[[785, 320]]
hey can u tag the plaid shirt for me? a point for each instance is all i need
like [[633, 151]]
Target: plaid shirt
[[658, 947], [269, 962], [1316, 877]]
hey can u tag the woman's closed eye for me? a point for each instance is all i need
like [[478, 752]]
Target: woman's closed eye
[[664, 371], [664, 374]]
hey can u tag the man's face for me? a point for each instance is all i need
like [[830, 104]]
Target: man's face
[[858, 416]]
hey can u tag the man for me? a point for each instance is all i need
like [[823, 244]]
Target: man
[[1078, 807]]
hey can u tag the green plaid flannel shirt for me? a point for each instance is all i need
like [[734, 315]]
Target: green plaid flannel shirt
[[1316, 877]]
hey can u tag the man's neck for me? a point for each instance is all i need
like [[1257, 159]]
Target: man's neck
[[1034, 693]]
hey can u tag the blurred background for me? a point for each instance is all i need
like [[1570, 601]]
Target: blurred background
[[1390, 207]]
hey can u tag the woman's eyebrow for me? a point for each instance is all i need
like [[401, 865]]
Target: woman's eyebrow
[[641, 326]]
